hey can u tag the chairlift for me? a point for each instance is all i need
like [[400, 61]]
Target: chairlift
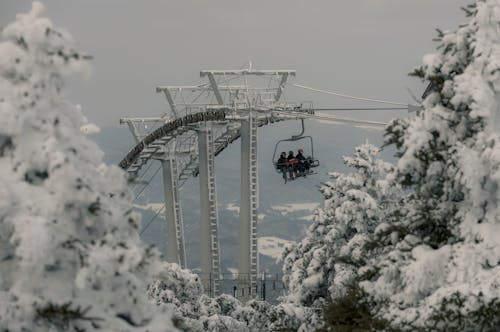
[[312, 161]]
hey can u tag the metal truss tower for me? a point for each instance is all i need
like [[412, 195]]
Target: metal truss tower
[[203, 120], [247, 101], [173, 213], [248, 254], [209, 243], [247, 97]]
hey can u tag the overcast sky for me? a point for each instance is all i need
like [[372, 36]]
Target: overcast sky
[[360, 47]]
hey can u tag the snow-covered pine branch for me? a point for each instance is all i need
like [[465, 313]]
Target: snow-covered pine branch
[[182, 291], [70, 255], [445, 273], [337, 249]]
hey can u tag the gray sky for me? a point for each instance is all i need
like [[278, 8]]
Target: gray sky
[[360, 47]]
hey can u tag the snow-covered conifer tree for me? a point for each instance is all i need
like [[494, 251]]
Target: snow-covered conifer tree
[[444, 274], [182, 291], [71, 259], [334, 255]]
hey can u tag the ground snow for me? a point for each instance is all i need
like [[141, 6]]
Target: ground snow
[[285, 209], [150, 206], [232, 207], [272, 246]]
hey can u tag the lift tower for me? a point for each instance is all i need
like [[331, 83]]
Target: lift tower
[[203, 120], [248, 103], [248, 98]]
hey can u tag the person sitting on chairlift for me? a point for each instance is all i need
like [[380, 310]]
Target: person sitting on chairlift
[[292, 164], [303, 164], [282, 164]]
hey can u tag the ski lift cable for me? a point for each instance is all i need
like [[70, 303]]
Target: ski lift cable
[[333, 119], [143, 188], [349, 96], [141, 177], [360, 109], [152, 219]]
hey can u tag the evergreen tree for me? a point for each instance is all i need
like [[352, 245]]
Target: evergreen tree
[[444, 272], [182, 291], [327, 265], [71, 259]]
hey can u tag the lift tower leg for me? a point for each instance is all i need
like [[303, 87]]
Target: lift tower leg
[[173, 213], [249, 199], [209, 243]]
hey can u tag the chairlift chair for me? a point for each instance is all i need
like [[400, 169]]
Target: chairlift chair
[[313, 162]]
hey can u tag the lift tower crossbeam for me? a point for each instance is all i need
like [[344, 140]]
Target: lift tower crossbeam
[[252, 94]]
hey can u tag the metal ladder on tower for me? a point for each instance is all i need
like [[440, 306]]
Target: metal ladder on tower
[[254, 203], [212, 193], [179, 227]]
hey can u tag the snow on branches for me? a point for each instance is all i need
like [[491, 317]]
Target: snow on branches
[[450, 165], [182, 291], [337, 247], [71, 257], [426, 257]]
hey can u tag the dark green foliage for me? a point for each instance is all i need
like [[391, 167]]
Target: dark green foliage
[[394, 134], [5, 144], [453, 314], [351, 313], [433, 171], [470, 10], [36, 176], [65, 317], [431, 148], [95, 207]]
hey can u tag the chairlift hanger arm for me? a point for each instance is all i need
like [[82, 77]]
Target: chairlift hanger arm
[[295, 137]]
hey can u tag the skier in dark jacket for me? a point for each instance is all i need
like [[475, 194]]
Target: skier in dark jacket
[[282, 164], [303, 164], [292, 164]]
